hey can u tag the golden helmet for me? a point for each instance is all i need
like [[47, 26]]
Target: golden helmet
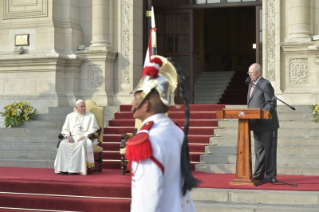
[[159, 74]]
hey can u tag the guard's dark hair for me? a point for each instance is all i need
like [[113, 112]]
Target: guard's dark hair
[[189, 180]]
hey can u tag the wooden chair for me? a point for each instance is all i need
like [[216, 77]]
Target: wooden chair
[[99, 115]]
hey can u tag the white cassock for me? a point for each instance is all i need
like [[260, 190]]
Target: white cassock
[[75, 157], [153, 191]]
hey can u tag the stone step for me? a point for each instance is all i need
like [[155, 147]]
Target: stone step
[[281, 108], [205, 98], [281, 151], [296, 124], [60, 118], [41, 124], [28, 146], [212, 80], [254, 200], [227, 207], [49, 164], [15, 138], [210, 94], [29, 131], [205, 83], [300, 133], [281, 160], [28, 155], [282, 170], [208, 90], [210, 86], [297, 141], [60, 110]]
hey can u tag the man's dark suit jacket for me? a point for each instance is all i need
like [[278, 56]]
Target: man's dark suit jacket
[[262, 100]]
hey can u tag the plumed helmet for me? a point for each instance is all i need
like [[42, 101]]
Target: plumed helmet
[[159, 74]]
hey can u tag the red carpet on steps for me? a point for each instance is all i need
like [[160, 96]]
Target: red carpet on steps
[[106, 191], [202, 124]]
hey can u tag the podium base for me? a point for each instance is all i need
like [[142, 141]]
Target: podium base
[[247, 182]]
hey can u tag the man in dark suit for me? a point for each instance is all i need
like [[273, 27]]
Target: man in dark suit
[[265, 130]]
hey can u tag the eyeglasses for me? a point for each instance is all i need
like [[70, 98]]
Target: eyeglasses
[[251, 72]]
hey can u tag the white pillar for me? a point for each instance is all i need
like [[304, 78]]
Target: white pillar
[[299, 24], [100, 23], [316, 20]]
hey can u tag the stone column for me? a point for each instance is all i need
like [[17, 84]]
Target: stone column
[[316, 20], [100, 23], [299, 23]]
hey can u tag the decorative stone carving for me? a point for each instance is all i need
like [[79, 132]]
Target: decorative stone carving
[[95, 75], [271, 40], [298, 69], [13, 9], [126, 40]]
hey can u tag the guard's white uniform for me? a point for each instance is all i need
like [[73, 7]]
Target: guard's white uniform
[[151, 189]]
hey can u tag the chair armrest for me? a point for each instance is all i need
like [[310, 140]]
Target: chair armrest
[[60, 136], [95, 135]]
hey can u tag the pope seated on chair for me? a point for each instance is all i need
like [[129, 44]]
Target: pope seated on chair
[[75, 152]]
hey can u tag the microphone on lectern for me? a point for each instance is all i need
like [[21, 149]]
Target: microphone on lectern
[[247, 81]]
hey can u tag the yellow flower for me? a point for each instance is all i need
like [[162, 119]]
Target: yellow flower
[[30, 108], [27, 103]]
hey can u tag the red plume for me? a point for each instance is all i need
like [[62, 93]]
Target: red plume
[[157, 61], [151, 71]]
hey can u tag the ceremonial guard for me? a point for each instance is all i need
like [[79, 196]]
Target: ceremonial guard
[[158, 153]]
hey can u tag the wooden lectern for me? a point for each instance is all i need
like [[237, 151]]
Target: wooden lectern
[[243, 162]]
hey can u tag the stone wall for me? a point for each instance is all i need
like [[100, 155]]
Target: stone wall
[[77, 49], [290, 55]]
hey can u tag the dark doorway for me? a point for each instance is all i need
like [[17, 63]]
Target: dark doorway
[[229, 35], [209, 37]]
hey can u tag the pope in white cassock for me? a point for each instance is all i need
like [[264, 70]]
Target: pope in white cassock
[[75, 152]]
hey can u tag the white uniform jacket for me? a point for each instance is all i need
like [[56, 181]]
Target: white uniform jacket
[[153, 191]]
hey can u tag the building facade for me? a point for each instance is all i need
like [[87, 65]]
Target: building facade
[[56, 51]]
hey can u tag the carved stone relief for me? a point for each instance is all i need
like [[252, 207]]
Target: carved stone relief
[[13, 9], [298, 70], [95, 75], [271, 40], [126, 40]]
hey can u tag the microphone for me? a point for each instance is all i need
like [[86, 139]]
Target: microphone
[[247, 81]]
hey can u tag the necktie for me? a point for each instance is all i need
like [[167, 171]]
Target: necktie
[[251, 90]]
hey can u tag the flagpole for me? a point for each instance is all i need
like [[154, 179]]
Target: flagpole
[[154, 38]]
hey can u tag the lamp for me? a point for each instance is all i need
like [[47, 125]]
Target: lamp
[[254, 46]]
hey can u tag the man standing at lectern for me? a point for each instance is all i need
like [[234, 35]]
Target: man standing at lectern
[[265, 130]]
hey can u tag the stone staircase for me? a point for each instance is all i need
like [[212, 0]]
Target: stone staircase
[[210, 86], [235, 200], [298, 144], [33, 144]]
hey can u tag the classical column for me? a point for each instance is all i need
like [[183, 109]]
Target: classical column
[[100, 23], [316, 20], [299, 26]]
